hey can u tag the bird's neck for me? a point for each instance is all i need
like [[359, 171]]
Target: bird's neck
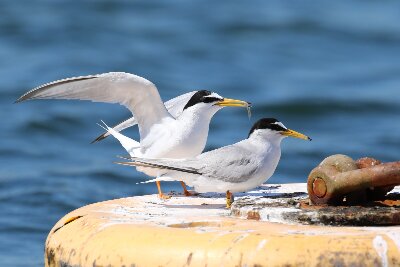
[[194, 115], [268, 150], [263, 139]]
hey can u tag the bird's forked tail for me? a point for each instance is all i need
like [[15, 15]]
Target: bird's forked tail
[[130, 145]]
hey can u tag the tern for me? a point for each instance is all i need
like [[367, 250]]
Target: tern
[[177, 132], [229, 169]]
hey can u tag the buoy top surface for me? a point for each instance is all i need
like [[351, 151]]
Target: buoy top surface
[[199, 231]]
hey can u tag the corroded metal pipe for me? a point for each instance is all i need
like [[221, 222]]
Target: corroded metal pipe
[[339, 175]]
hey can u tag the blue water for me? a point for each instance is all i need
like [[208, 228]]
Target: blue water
[[329, 69]]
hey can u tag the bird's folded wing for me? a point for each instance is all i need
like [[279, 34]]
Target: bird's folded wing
[[230, 164], [174, 106], [139, 95], [180, 165]]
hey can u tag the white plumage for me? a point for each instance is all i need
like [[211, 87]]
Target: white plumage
[[177, 130]]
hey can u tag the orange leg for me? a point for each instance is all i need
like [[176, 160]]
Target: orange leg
[[160, 193], [185, 191], [229, 199]]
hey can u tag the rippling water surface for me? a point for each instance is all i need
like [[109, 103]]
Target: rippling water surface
[[328, 69]]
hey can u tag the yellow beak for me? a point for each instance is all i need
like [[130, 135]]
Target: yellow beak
[[227, 102], [295, 134]]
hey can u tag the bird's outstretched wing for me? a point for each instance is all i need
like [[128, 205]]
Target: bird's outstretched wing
[[139, 95], [174, 106]]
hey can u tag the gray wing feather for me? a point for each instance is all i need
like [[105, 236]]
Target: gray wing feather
[[232, 163], [139, 95]]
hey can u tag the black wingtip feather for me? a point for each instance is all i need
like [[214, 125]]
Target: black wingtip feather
[[21, 98], [99, 138], [169, 168], [41, 88], [160, 166]]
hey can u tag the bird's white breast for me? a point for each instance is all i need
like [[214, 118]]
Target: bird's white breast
[[181, 138]]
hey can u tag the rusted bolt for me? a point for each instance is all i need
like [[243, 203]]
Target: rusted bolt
[[338, 176], [319, 187]]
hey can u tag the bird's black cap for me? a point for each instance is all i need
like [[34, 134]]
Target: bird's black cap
[[267, 123], [201, 97]]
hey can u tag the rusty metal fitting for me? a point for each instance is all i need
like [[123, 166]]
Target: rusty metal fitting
[[339, 176], [367, 162], [373, 193]]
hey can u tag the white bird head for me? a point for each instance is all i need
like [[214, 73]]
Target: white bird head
[[272, 128], [207, 101]]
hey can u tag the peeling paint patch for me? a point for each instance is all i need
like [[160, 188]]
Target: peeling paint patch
[[337, 231], [234, 242], [395, 236], [261, 244], [276, 215], [70, 220], [189, 259], [240, 238], [381, 248]]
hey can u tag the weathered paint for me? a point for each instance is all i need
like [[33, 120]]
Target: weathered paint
[[199, 231], [380, 246], [273, 205]]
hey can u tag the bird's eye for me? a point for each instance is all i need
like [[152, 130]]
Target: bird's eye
[[210, 99]]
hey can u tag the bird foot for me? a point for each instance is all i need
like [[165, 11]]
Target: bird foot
[[190, 193], [164, 197], [229, 199]]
